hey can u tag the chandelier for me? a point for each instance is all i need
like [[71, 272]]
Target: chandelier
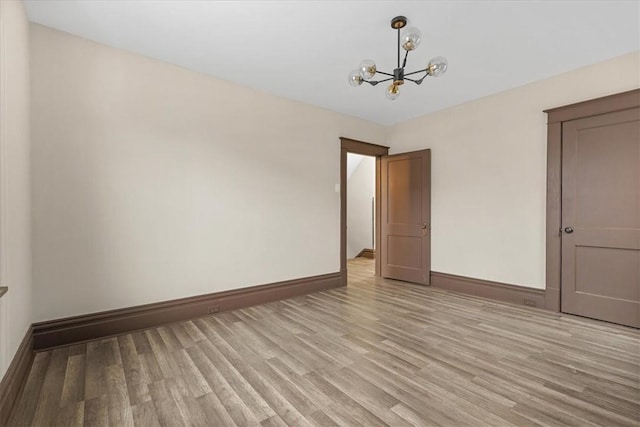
[[409, 41]]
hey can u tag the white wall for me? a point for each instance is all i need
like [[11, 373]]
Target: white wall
[[489, 171], [15, 223], [361, 186], [152, 182]]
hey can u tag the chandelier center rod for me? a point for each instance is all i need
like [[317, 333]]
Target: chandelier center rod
[[398, 23], [398, 46]]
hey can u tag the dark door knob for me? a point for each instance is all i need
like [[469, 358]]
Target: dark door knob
[[568, 230]]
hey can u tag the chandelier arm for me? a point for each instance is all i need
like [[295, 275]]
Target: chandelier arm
[[404, 63], [419, 81], [415, 72], [382, 72], [373, 82]]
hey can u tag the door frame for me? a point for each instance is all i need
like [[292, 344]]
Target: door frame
[[555, 119], [348, 145]]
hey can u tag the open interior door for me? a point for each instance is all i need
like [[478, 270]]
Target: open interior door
[[405, 246]]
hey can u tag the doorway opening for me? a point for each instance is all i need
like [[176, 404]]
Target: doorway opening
[[361, 218], [361, 191], [374, 152]]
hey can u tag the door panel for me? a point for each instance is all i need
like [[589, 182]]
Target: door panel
[[405, 250], [404, 173], [601, 203]]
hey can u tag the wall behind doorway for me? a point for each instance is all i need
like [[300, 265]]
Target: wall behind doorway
[[360, 193]]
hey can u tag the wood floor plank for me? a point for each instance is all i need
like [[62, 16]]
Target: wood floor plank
[[252, 399], [321, 419], [169, 338], [194, 333], [49, 398], [95, 384], [182, 335], [408, 393], [96, 412], [245, 367], [190, 410], [141, 342], [145, 414], [286, 342], [191, 375], [72, 415], [109, 347], [215, 410], [167, 410], [150, 367], [135, 374], [344, 408], [288, 389], [161, 355], [118, 396], [305, 386], [274, 421], [377, 353], [25, 407], [73, 386], [411, 416], [234, 405]]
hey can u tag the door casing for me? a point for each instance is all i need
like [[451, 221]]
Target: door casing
[[556, 117]]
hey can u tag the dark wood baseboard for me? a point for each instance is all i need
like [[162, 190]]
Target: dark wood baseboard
[[15, 377], [367, 253], [488, 289], [86, 327]]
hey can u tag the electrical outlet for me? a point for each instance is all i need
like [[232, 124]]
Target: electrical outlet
[[214, 309], [529, 302]]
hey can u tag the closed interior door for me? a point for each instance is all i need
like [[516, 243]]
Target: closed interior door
[[601, 217], [405, 249]]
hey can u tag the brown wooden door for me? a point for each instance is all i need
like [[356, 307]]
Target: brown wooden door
[[601, 217], [405, 247]]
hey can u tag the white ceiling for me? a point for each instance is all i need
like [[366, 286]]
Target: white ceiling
[[304, 50]]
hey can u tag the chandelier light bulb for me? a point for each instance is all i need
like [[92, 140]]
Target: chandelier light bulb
[[355, 79], [411, 39], [393, 91], [367, 69], [437, 66]]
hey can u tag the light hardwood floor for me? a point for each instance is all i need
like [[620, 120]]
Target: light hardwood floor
[[375, 353]]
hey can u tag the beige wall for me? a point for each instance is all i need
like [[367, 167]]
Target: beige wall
[[151, 182], [489, 172], [15, 215]]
